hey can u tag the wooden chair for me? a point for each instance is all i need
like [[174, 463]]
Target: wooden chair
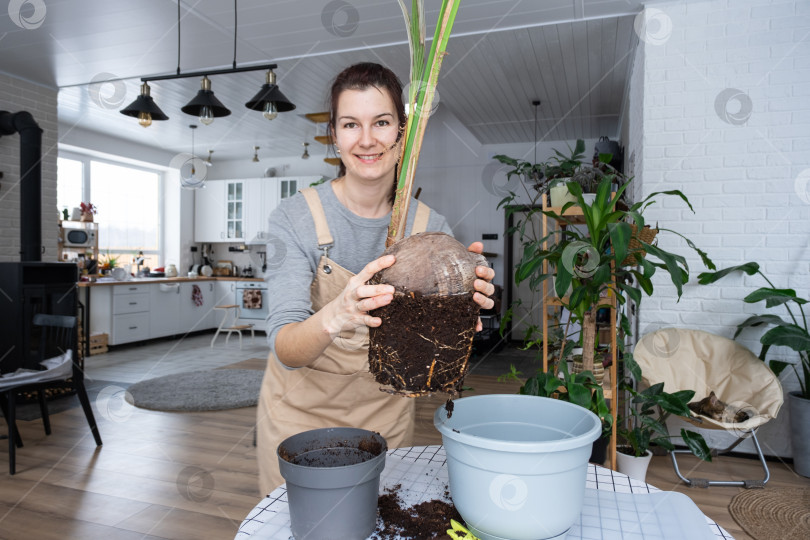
[[57, 354], [230, 326]]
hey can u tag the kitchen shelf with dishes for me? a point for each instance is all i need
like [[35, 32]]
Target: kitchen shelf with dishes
[[574, 216]]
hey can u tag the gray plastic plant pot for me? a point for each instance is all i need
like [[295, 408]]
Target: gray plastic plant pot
[[517, 464], [333, 483]]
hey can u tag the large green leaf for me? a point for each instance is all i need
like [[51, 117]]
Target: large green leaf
[[671, 265], [620, 234], [580, 395], [671, 192], [773, 297], [757, 320], [696, 444], [792, 336], [672, 404], [527, 268], [750, 268], [562, 281]]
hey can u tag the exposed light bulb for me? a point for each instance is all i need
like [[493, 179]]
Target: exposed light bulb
[[206, 116], [305, 155], [145, 119], [270, 110], [255, 154]]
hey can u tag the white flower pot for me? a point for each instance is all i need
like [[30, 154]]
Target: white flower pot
[[560, 195], [517, 464], [634, 467], [589, 198]]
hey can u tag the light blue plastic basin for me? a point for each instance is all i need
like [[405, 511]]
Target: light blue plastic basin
[[517, 464]]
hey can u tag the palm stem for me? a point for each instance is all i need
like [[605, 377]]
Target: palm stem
[[421, 94]]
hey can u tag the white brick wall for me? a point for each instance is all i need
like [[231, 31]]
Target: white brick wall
[[15, 96], [742, 176]]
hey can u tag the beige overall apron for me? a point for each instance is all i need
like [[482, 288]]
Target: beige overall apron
[[337, 389]]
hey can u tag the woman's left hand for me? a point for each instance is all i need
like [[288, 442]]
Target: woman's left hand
[[484, 289]]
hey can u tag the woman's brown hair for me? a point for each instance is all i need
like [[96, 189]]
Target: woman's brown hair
[[359, 77]]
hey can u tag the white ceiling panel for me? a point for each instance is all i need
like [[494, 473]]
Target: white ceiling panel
[[573, 55]]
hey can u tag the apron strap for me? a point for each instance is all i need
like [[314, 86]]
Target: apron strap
[[318, 215], [420, 220]]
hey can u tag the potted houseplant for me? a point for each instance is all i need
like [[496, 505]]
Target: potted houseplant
[[646, 425], [559, 171], [791, 333], [593, 262], [88, 210]]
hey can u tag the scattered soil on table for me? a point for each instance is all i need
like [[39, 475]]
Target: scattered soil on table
[[335, 453], [424, 521], [423, 344]]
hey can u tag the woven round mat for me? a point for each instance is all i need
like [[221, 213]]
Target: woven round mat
[[773, 513]]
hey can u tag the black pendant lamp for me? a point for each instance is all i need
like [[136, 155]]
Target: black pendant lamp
[[270, 100], [144, 108], [205, 104]]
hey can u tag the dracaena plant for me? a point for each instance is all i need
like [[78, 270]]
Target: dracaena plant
[[423, 79], [592, 262], [791, 332]]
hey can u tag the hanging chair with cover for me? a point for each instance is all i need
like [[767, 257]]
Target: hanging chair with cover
[[696, 360]]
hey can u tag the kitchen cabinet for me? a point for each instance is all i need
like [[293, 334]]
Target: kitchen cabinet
[[209, 213], [195, 317], [263, 196], [234, 210], [130, 314], [164, 303], [237, 210]]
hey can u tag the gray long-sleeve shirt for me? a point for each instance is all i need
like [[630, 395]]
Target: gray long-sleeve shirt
[[293, 253]]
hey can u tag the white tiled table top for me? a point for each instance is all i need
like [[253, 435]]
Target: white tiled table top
[[422, 473]]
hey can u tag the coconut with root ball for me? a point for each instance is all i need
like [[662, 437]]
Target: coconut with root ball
[[424, 342]]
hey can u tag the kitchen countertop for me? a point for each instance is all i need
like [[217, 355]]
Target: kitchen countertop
[[166, 280]]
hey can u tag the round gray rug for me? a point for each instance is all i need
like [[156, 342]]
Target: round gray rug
[[212, 390]]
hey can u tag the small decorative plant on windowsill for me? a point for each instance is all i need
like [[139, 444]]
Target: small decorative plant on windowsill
[[88, 210]]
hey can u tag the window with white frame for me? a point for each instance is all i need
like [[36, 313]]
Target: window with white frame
[[127, 199]]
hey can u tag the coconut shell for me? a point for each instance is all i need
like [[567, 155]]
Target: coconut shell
[[431, 263]]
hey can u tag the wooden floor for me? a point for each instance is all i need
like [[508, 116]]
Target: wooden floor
[[193, 475]]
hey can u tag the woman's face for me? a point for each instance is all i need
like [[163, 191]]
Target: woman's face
[[366, 130]]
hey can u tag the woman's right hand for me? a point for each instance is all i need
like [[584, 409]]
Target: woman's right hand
[[349, 310]]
